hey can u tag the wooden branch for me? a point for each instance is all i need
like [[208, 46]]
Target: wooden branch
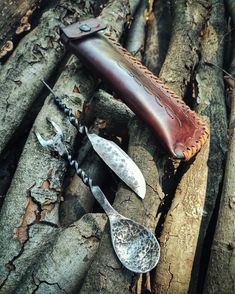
[[158, 34], [36, 58], [189, 216], [220, 276], [36, 188], [136, 33], [62, 267], [14, 20], [182, 55], [115, 113]]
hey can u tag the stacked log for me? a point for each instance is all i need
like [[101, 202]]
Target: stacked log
[[54, 236]]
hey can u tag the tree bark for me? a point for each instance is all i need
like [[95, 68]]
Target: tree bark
[[35, 190], [61, 269], [159, 27], [192, 207], [221, 266], [23, 72], [36, 199], [14, 19]]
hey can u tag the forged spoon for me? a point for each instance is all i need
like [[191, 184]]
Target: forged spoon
[[121, 164], [135, 245]]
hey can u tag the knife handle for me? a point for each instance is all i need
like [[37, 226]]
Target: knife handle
[[177, 128]]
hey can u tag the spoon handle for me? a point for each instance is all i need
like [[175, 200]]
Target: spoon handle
[[95, 190]]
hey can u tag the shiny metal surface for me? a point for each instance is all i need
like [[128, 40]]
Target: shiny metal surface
[[135, 245], [120, 163]]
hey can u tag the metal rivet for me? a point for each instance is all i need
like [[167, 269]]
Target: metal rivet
[[85, 28]]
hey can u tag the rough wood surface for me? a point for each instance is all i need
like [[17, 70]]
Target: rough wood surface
[[158, 35], [14, 18], [35, 58], [36, 188], [182, 55], [192, 207], [114, 113], [61, 269], [221, 270], [136, 33]]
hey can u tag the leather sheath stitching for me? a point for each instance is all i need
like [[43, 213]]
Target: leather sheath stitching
[[189, 151]]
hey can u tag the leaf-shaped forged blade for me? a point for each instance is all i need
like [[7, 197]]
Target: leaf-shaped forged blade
[[120, 163]]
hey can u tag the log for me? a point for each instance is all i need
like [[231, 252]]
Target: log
[[136, 33], [220, 274], [188, 218], [35, 191], [14, 20], [72, 252], [182, 55], [35, 199], [159, 26], [22, 72], [114, 113]]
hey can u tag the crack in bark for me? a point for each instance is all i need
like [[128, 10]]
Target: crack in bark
[[172, 276], [45, 282], [10, 265]]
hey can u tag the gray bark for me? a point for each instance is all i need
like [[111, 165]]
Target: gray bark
[[35, 58], [35, 190], [221, 266], [63, 266], [14, 18], [159, 27]]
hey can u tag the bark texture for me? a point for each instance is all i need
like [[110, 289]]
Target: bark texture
[[114, 113], [15, 19], [159, 26], [222, 259], [35, 58], [192, 207], [72, 252], [36, 188]]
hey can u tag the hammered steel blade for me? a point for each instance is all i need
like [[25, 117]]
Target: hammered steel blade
[[120, 163]]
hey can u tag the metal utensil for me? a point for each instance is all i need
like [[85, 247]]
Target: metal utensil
[[135, 245], [123, 166]]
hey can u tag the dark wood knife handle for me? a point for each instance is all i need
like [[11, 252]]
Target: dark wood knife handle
[[177, 128]]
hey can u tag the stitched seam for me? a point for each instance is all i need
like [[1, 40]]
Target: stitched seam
[[193, 149]]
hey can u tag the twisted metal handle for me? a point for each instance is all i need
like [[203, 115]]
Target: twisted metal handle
[[66, 110], [95, 190]]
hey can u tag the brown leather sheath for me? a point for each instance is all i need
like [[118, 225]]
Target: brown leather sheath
[[177, 127]]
